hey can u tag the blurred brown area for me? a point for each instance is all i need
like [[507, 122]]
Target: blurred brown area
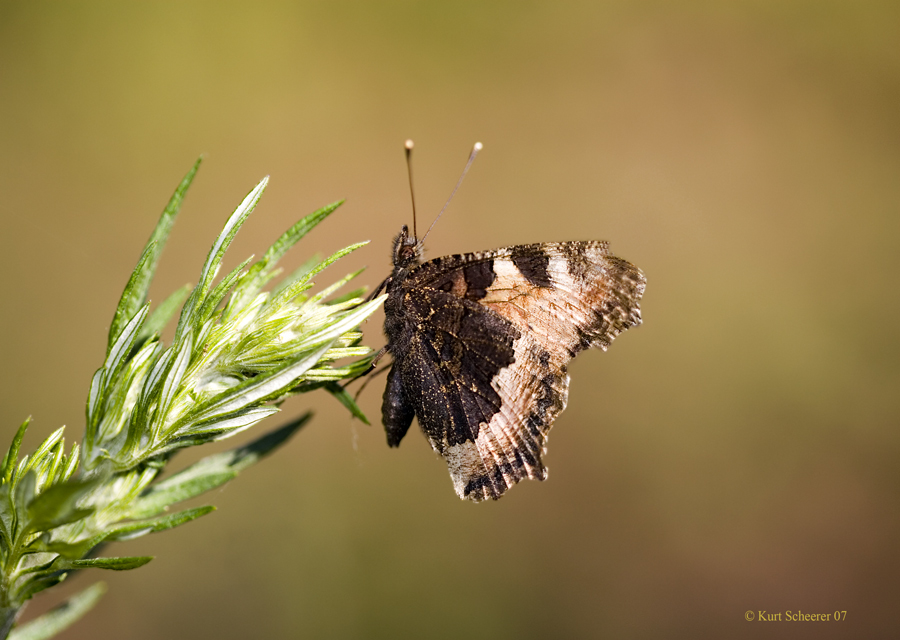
[[737, 452]]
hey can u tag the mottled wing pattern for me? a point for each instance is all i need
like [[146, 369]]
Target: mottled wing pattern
[[570, 295], [488, 337], [472, 378]]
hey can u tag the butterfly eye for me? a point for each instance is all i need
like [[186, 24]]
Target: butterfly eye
[[408, 252]]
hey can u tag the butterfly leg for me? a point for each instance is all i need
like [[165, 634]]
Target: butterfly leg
[[369, 379], [384, 285], [372, 365], [397, 411]]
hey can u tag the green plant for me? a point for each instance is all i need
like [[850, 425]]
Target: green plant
[[238, 351]]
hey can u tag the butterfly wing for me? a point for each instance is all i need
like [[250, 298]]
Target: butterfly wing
[[482, 390], [570, 295], [485, 342]]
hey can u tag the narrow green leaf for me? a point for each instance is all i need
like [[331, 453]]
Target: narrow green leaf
[[12, 454], [129, 391], [288, 293], [130, 295], [116, 359], [214, 258], [22, 496], [68, 550], [65, 516], [293, 235], [37, 584], [187, 484], [150, 387], [92, 413], [45, 447], [353, 295], [143, 527], [234, 423], [61, 617], [237, 219], [193, 440], [347, 400], [71, 464], [113, 564], [212, 471], [175, 375], [135, 294], [7, 515], [334, 257], [57, 505], [53, 468], [124, 342], [242, 457], [330, 289]]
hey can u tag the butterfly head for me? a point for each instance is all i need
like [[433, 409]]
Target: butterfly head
[[407, 250]]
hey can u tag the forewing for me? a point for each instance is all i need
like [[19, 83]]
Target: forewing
[[569, 295]]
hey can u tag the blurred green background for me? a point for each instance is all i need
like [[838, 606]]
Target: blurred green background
[[739, 451]]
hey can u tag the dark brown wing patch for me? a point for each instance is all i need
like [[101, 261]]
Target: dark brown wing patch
[[532, 263], [470, 282]]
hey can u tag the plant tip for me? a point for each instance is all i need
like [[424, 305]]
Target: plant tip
[[478, 146], [409, 144]]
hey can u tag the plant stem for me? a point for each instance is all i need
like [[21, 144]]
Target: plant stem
[[7, 619]]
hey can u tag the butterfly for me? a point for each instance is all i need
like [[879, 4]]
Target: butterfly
[[480, 344]]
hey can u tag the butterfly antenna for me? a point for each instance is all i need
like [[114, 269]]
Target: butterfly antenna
[[478, 147], [409, 147]]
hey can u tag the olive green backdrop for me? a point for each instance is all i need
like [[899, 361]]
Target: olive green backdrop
[[737, 452]]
